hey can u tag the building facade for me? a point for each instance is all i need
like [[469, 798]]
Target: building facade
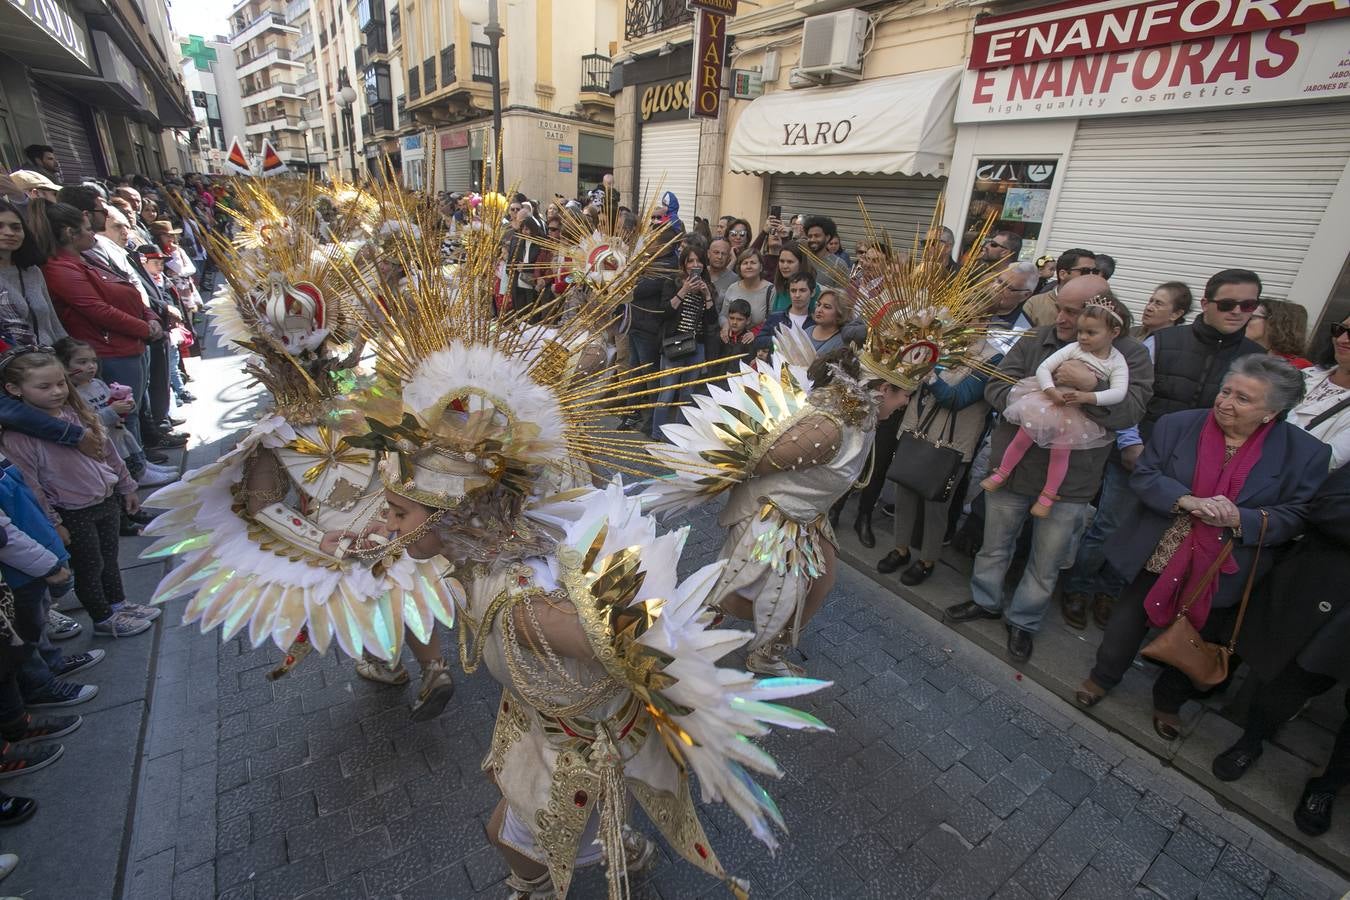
[[208, 68], [852, 102], [557, 112], [272, 61], [95, 81]]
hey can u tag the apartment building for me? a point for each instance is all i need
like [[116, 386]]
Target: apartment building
[[272, 57], [557, 113], [208, 67]]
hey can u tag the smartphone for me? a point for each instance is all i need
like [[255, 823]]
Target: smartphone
[[776, 212]]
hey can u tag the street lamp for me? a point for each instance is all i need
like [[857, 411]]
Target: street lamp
[[478, 11], [346, 98]]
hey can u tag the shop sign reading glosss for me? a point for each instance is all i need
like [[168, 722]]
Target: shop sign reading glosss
[[1124, 56]]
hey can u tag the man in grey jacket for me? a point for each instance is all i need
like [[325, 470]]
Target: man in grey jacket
[[1006, 511]]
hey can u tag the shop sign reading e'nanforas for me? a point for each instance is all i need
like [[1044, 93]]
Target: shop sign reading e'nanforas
[[1114, 57]]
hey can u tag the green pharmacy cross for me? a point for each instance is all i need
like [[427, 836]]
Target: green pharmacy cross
[[196, 50]]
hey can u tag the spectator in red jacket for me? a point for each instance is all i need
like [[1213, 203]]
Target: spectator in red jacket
[[96, 304]]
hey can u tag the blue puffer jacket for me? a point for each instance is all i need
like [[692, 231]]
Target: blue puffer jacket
[[30, 546]]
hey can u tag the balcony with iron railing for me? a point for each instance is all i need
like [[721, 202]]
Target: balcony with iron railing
[[296, 9], [646, 17], [480, 60], [264, 59], [595, 69], [308, 83], [266, 21], [448, 65]]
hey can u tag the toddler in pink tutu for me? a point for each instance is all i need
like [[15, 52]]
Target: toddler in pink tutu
[[1050, 417]]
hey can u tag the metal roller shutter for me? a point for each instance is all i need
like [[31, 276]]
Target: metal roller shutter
[[70, 131], [669, 162], [901, 205], [456, 170], [1182, 196]]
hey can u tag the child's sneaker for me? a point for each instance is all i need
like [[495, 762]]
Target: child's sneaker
[[120, 625], [78, 663], [42, 728], [61, 693], [61, 627], [16, 760], [139, 611]]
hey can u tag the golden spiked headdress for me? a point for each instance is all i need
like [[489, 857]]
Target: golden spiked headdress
[[469, 397], [287, 298], [924, 313]]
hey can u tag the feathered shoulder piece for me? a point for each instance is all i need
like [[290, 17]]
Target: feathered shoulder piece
[[653, 634], [726, 432]]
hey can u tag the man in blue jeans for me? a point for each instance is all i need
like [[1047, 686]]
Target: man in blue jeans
[[1093, 582], [1007, 510]]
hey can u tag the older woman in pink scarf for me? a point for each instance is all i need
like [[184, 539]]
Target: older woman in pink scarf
[[1204, 481]]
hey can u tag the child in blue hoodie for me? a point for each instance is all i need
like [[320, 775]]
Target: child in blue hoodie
[[33, 562]]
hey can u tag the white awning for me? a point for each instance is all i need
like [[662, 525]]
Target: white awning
[[885, 126]]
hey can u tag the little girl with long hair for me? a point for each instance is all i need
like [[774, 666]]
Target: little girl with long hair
[[1050, 417], [82, 497]]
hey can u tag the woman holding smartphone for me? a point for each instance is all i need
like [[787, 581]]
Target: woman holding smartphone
[[690, 315]]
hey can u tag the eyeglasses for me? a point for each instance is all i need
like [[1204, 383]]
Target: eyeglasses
[[1010, 289], [739, 233], [1086, 270], [1247, 306], [1338, 330]]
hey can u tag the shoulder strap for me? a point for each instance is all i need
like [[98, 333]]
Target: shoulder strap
[[1327, 414], [1251, 580], [1210, 574]]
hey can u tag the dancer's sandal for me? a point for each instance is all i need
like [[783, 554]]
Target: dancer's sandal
[[540, 888]]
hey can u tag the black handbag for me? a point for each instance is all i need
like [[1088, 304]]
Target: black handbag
[[680, 345], [928, 467]]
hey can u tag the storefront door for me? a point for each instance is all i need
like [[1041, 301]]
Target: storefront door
[[669, 162], [900, 205]]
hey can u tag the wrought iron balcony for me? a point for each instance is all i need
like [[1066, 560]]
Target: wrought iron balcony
[[480, 56], [595, 69], [644, 17], [448, 65]]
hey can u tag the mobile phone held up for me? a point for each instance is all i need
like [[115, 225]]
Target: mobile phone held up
[[776, 212]]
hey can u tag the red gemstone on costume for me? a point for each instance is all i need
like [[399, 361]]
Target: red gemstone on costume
[[579, 798], [506, 707], [295, 522], [702, 852], [522, 581]]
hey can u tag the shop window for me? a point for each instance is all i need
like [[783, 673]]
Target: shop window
[[1015, 192]]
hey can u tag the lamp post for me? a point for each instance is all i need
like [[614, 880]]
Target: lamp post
[[346, 99], [477, 11]]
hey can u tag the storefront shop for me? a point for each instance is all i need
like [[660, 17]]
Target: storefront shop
[[1181, 138], [661, 141], [885, 141]]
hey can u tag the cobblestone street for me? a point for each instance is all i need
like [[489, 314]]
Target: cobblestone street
[[947, 775]]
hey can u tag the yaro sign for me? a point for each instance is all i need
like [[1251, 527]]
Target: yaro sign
[[1123, 56], [710, 58]]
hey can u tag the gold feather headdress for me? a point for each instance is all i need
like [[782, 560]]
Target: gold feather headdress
[[469, 397], [923, 313]]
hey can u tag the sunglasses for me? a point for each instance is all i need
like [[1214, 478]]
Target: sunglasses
[[740, 234], [1247, 306], [998, 245], [1338, 330], [1086, 270]]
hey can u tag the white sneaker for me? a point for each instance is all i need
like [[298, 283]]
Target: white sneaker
[[61, 627], [7, 863], [140, 611], [153, 476], [769, 660], [120, 625]]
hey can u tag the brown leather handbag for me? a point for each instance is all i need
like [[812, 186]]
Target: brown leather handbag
[[1181, 646]]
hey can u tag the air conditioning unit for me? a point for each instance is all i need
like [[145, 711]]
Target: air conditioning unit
[[832, 44]]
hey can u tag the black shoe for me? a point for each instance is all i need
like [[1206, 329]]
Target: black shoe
[[1313, 813], [166, 440], [186, 397], [892, 562], [627, 423], [888, 510], [169, 423], [143, 516], [129, 528], [1074, 606], [14, 810], [1233, 763], [968, 611], [156, 457], [917, 573], [1019, 644], [862, 527]]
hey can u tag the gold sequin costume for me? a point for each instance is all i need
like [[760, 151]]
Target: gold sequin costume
[[484, 418]]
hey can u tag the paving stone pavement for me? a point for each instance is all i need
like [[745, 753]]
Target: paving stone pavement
[[946, 776]]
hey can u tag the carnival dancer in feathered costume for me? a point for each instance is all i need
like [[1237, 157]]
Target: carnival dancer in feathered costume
[[249, 526], [788, 439], [608, 666]]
